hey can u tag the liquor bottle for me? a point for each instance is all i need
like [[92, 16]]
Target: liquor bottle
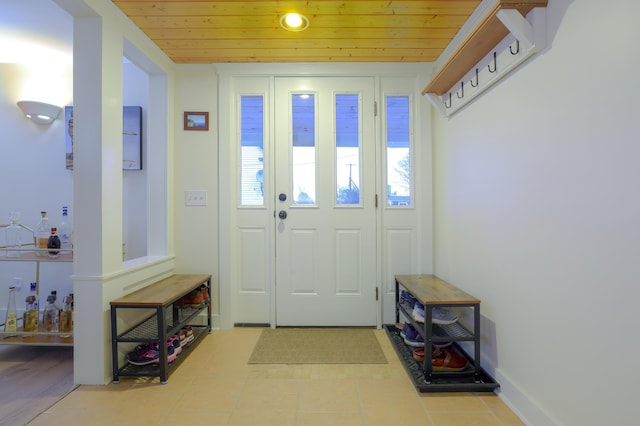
[[14, 235], [50, 315], [66, 316], [43, 232], [33, 291], [65, 230], [30, 316], [11, 320], [53, 243]]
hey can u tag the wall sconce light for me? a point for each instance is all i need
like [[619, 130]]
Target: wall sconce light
[[294, 22], [39, 112]]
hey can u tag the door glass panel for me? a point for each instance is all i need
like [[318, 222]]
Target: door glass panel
[[303, 120], [347, 141], [252, 150], [398, 151]]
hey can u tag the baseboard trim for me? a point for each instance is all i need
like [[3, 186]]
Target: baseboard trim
[[251, 324], [523, 405]]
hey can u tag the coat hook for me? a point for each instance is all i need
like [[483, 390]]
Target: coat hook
[[445, 102], [477, 80], [517, 48], [495, 64], [461, 90]]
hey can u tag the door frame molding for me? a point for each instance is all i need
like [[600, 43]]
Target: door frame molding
[[225, 73]]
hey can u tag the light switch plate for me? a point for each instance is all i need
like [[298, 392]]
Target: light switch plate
[[195, 197]]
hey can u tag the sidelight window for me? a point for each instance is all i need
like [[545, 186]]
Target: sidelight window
[[398, 135]]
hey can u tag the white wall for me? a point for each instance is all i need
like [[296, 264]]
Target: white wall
[[32, 170], [196, 160], [536, 213]]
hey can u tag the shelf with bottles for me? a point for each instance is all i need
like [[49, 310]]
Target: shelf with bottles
[[31, 255], [51, 326], [44, 243], [35, 338], [39, 337], [23, 244], [29, 252]]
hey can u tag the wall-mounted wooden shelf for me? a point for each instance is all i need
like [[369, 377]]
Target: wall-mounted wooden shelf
[[480, 41]]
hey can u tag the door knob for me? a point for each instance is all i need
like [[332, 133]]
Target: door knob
[[282, 215]]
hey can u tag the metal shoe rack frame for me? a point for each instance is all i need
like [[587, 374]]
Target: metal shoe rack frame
[[166, 319], [434, 292]]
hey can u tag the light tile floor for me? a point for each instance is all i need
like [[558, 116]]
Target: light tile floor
[[215, 386]]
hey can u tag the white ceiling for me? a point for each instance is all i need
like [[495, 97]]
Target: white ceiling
[[35, 31]]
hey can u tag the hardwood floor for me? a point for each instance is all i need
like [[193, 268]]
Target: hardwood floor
[[32, 378]]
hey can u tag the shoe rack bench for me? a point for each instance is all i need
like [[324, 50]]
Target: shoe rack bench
[[434, 292], [163, 319]]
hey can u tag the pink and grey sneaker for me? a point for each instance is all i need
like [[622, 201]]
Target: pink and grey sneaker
[[175, 342], [143, 355], [171, 353]]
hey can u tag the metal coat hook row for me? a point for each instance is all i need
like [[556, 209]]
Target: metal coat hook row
[[477, 80], [495, 64], [517, 48], [461, 90], [445, 102]]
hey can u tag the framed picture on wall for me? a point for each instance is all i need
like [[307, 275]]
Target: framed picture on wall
[[196, 120], [131, 137]]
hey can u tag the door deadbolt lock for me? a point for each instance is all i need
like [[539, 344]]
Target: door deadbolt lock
[[282, 197], [282, 215]]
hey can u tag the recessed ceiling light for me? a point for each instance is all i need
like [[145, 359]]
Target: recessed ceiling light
[[294, 22]]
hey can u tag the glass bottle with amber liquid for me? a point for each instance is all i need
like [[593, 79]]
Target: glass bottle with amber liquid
[[30, 316], [66, 317], [42, 234]]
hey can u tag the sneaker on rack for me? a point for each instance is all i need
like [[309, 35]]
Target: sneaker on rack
[[143, 355], [418, 312], [407, 298], [413, 338], [175, 342], [171, 353], [442, 316], [182, 338], [188, 332], [205, 293], [196, 297], [405, 327]]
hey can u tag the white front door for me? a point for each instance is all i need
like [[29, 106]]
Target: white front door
[[325, 212]]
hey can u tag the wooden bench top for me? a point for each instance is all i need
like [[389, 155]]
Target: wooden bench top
[[431, 290], [162, 292]]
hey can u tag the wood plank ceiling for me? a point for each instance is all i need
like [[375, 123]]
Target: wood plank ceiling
[[201, 32]]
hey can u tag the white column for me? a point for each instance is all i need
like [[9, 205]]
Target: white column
[[97, 80]]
